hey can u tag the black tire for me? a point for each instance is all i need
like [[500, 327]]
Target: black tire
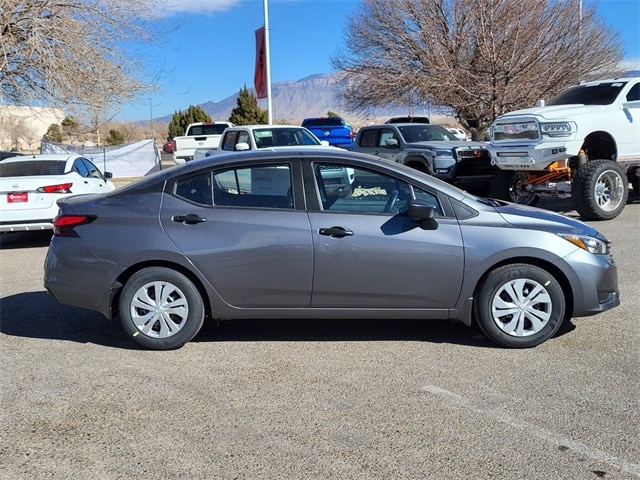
[[519, 306], [166, 323], [506, 185], [599, 190]]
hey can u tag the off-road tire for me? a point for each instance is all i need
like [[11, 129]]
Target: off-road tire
[[505, 185], [519, 305], [599, 190], [161, 308]]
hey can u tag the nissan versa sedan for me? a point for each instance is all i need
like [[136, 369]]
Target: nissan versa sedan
[[30, 185], [263, 235]]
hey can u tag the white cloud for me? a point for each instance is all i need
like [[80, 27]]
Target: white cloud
[[204, 7]]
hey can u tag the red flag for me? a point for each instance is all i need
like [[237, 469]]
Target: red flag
[[260, 75]]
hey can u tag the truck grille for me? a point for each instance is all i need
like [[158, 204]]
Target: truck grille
[[516, 130]]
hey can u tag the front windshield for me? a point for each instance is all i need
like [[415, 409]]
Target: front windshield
[[589, 94], [425, 133]]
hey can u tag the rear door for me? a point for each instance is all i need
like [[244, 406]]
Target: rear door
[[240, 229]]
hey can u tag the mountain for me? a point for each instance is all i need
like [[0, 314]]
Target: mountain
[[312, 96]]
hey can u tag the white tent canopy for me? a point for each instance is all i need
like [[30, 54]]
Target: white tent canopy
[[131, 160]]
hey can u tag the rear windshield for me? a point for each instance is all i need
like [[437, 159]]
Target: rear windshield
[[600, 94], [208, 129], [323, 122], [30, 168]]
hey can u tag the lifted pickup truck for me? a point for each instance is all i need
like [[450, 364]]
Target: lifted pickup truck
[[198, 135], [584, 144], [431, 149]]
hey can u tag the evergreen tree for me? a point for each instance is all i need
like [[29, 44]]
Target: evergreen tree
[[181, 120], [247, 111], [54, 133], [116, 137], [70, 126]]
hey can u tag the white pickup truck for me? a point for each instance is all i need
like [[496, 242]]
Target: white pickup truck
[[252, 137], [585, 143], [198, 135]]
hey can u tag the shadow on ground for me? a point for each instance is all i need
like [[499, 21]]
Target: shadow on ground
[[47, 319]]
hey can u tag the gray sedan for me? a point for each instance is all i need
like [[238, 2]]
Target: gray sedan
[[267, 235]]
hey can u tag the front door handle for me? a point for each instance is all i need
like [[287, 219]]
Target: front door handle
[[189, 219], [336, 232]]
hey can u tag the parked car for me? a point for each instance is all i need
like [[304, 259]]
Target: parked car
[[12, 153], [459, 133], [332, 129], [31, 185], [431, 149], [408, 119], [252, 137], [263, 235], [169, 146]]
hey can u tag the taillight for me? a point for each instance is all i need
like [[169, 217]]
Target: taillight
[[63, 225], [60, 188]]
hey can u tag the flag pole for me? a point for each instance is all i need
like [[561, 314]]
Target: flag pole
[[267, 59]]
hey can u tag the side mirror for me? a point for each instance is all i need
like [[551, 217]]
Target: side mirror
[[422, 212], [324, 143], [108, 175], [242, 146], [391, 142]]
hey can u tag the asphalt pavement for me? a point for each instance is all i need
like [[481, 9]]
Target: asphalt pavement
[[293, 399]]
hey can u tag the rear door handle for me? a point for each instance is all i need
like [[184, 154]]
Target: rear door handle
[[188, 219], [336, 232]]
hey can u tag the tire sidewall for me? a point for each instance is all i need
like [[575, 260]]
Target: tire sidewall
[[492, 284], [584, 185], [194, 320]]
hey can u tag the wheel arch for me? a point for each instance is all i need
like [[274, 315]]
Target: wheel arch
[[419, 163], [557, 273], [600, 145], [131, 270]]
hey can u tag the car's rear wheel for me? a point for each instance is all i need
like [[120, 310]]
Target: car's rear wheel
[[161, 308], [507, 185], [519, 305]]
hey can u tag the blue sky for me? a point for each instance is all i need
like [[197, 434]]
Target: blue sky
[[208, 52]]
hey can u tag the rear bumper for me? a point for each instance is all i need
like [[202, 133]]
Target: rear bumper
[[30, 226]]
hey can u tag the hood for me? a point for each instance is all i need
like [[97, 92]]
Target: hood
[[554, 112], [531, 217], [446, 145]]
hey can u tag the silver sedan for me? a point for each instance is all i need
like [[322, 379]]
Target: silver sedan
[[267, 235]]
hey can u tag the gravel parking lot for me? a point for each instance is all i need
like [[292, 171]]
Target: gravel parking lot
[[315, 399]]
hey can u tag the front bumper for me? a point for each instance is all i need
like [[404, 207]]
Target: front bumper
[[532, 156]]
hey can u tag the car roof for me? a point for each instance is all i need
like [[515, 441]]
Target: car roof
[[43, 157]]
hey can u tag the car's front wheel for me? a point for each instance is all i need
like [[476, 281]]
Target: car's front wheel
[[519, 305], [161, 308]]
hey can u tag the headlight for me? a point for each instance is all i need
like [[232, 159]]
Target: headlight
[[590, 244], [557, 129], [442, 153]]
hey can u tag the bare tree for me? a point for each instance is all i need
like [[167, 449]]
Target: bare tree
[[481, 58], [70, 53]]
